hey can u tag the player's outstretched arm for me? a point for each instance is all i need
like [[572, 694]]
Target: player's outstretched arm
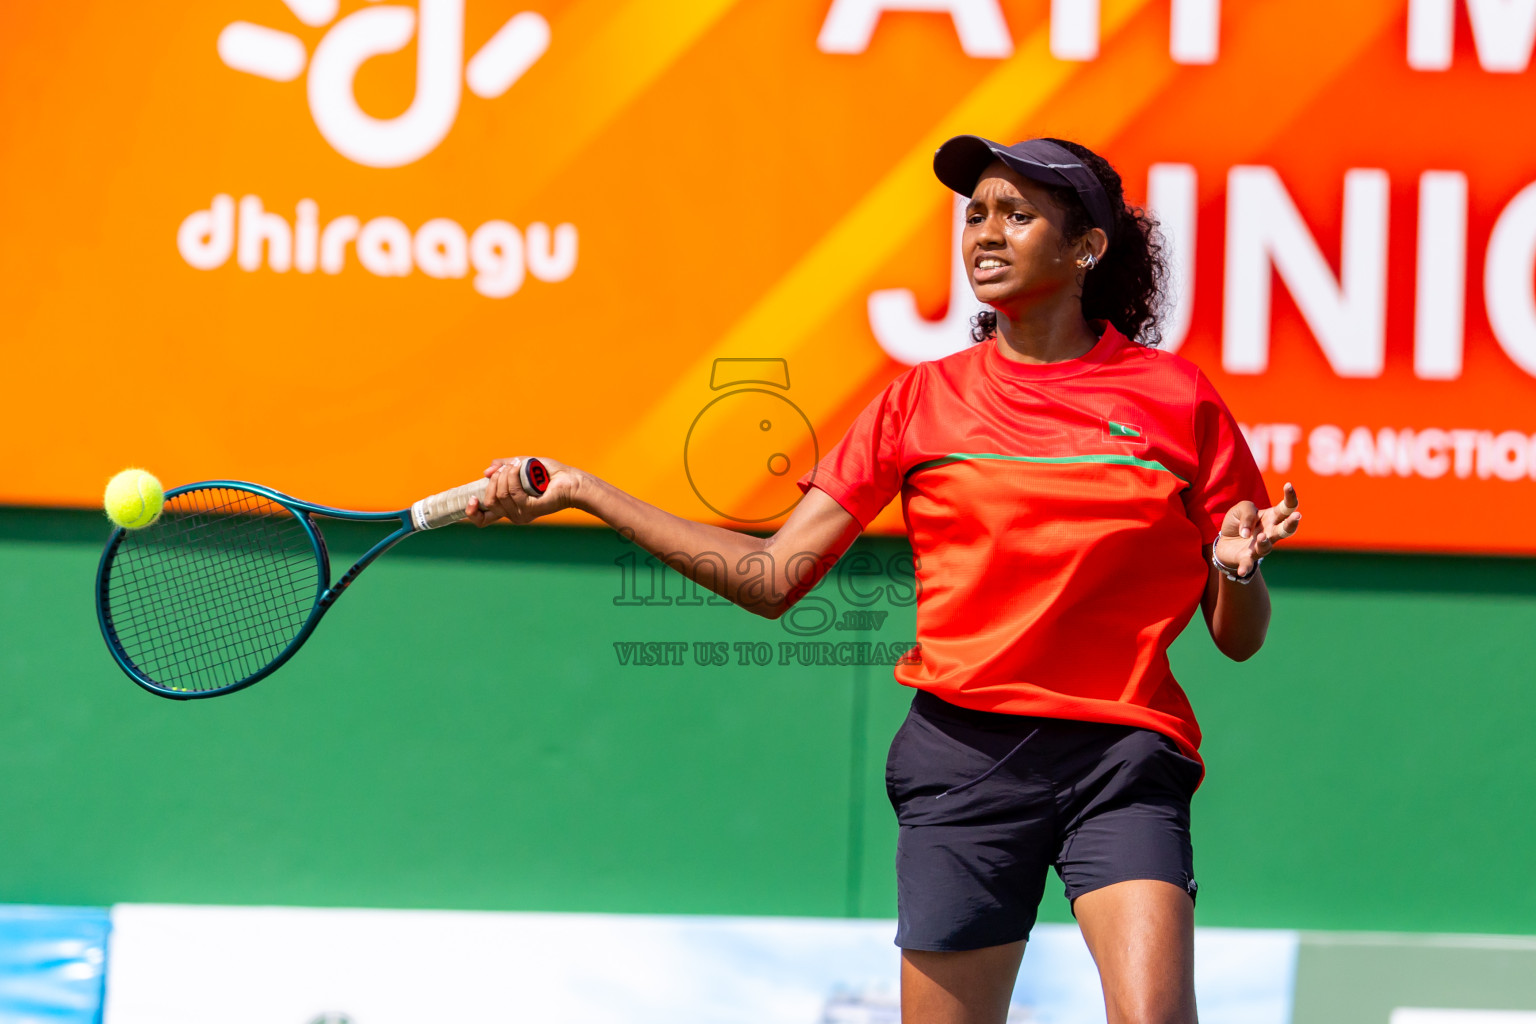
[[1237, 614], [765, 575]]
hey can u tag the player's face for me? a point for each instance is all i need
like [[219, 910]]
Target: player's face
[[1015, 246]]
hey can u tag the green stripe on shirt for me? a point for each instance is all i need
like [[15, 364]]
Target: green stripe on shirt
[[1057, 460]]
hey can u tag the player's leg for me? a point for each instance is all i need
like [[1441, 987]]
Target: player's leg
[[1142, 935], [1128, 866], [972, 987], [977, 836]]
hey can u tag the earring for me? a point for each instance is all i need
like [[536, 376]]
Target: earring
[[1088, 262]]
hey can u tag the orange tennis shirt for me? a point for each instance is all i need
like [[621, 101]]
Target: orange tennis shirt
[[1060, 517]]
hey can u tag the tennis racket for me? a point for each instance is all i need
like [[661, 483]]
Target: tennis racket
[[233, 577]]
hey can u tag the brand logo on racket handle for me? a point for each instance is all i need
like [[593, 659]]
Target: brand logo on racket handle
[[534, 477]]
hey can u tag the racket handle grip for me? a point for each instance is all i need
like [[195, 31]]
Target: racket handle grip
[[448, 506], [445, 507]]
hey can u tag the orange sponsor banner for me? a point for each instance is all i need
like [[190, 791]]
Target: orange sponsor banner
[[353, 250]]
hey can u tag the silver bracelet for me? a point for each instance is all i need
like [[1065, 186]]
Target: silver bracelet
[[1230, 571]]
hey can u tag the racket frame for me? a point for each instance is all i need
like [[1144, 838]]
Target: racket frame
[[325, 593]]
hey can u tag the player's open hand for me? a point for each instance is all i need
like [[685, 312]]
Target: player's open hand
[[506, 497], [1248, 534]]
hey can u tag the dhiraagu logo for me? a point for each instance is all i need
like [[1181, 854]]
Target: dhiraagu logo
[[496, 255], [438, 27]]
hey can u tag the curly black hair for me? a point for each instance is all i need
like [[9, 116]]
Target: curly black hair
[[1127, 287]]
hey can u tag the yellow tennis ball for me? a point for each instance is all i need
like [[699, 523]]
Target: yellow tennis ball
[[134, 499]]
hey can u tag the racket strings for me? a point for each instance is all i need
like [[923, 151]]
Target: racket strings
[[194, 594], [221, 624], [197, 628], [214, 591], [224, 639]]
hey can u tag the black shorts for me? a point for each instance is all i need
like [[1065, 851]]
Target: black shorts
[[987, 802]]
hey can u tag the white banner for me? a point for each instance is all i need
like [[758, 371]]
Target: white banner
[[1415, 1015], [276, 965]]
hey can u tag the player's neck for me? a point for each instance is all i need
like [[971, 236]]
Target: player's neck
[[1045, 333]]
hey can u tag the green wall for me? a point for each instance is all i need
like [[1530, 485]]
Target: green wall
[[460, 734]]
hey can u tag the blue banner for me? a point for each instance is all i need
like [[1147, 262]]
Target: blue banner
[[52, 964]]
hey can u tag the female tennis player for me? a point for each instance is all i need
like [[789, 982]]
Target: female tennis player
[[1071, 495]]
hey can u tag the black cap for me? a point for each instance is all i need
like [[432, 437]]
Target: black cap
[[960, 161]]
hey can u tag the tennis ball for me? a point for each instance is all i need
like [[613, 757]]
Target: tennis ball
[[134, 499]]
